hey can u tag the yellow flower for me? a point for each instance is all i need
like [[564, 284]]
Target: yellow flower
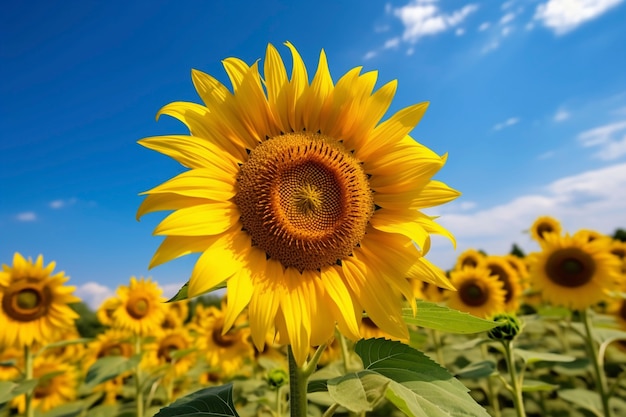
[[176, 314], [469, 258], [573, 272], [57, 384], [34, 302], [591, 235], [544, 225], [11, 361], [369, 330], [112, 342], [478, 292], [498, 266], [141, 309], [106, 309], [162, 351], [299, 199]]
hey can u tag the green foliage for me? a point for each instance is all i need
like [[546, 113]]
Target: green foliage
[[87, 323], [445, 319], [208, 402], [509, 327], [620, 234], [517, 251], [109, 367], [10, 390]]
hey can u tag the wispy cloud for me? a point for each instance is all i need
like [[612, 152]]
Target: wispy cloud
[[93, 294], [26, 216], [507, 123], [459, 32], [424, 18], [610, 139], [592, 199], [507, 18], [563, 16], [546, 155], [484, 26], [61, 203], [561, 115], [369, 55], [392, 43]]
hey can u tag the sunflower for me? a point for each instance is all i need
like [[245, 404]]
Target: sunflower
[[226, 351], [112, 342], [299, 199], [57, 385], [478, 292], [544, 225], [498, 266], [469, 257], [176, 314], [33, 302], [369, 330], [162, 352], [572, 271], [11, 361], [591, 235], [141, 309], [106, 309]]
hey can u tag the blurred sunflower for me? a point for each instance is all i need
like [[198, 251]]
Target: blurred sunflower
[[112, 342], [33, 302], [544, 225], [591, 235], [498, 266], [299, 199], [106, 309], [478, 292], [470, 258], [141, 309], [57, 385], [11, 361], [225, 351], [163, 351], [176, 314], [573, 272]]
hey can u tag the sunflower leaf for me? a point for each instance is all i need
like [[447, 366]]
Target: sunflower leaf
[[534, 386], [183, 293], [583, 398], [63, 343], [477, 370], [407, 378], [208, 402], [109, 367], [434, 316], [531, 357], [10, 390]]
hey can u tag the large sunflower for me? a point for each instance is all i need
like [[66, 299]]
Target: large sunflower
[[141, 308], [299, 199], [478, 292], [33, 302], [574, 272], [504, 272]]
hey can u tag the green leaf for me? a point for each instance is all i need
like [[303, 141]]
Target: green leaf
[[531, 385], [183, 294], [103, 410], [109, 367], [531, 357], [434, 316], [477, 370], [358, 392], [583, 398], [208, 402], [72, 409], [10, 390], [66, 343], [416, 385]]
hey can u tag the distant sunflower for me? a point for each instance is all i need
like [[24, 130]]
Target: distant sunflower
[[141, 309], [112, 342], [58, 383], [469, 258], [299, 199], [11, 361], [164, 348], [498, 266], [544, 225], [590, 235], [106, 309], [33, 302], [571, 271], [478, 292]]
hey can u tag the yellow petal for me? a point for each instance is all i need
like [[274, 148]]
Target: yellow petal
[[207, 183], [315, 97], [424, 270], [404, 222], [201, 220], [174, 247], [265, 301], [294, 305], [159, 202], [337, 290]]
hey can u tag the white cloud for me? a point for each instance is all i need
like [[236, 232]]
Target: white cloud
[[506, 30], [60, 203], [507, 4], [507, 18], [423, 18], [561, 115], [610, 139], [93, 294], [26, 216], [459, 32], [508, 122], [370, 55], [546, 155], [392, 43], [563, 16], [491, 46], [484, 26], [592, 199]]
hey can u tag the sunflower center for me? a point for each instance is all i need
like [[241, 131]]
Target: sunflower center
[[115, 349], [474, 293], [570, 267], [304, 200], [469, 262], [138, 308], [544, 228], [226, 340], [44, 388], [169, 345], [25, 301]]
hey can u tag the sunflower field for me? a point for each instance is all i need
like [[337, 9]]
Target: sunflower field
[[312, 294]]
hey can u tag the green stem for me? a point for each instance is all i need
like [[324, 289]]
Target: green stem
[[437, 343], [279, 402], [518, 399], [297, 387], [598, 364], [28, 364], [138, 387], [331, 410], [345, 352], [491, 392]]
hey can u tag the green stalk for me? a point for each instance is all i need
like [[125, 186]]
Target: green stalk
[[28, 364], [298, 381], [518, 399], [491, 392], [438, 345], [598, 364], [138, 387]]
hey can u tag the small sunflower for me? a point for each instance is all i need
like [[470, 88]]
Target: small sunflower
[[33, 302], [112, 342], [141, 309], [163, 351], [498, 266], [106, 309], [11, 361], [469, 258], [544, 225], [57, 385], [478, 292], [299, 199], [573, 272], [590, 235]]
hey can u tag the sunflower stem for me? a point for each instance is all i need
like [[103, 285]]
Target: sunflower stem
[[28, 364], [297, 387], [598, 363], [437, 343], [516, 388], [491, 392], [138, 387], [345, 353]]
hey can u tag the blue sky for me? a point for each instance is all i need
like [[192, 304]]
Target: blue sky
[[527, 97]]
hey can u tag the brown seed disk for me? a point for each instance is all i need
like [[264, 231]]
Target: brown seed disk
[[570, 267], [26, 300], [474, 292], [304, 200]]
